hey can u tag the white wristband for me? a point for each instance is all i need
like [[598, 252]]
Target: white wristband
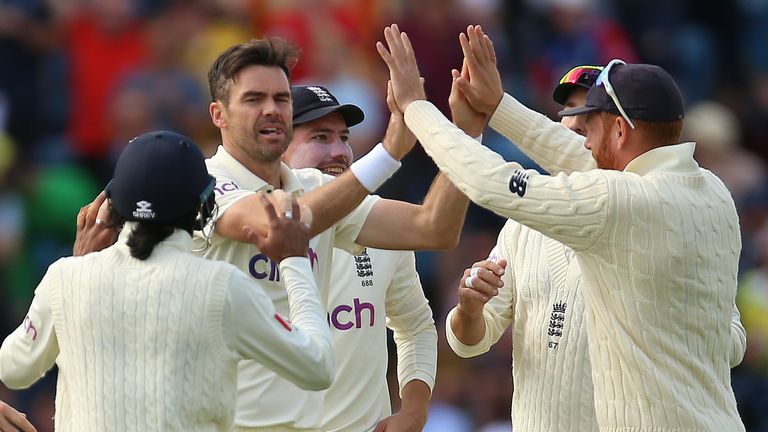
[[373, 169]]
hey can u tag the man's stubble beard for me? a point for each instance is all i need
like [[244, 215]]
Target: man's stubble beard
[[257, 151]]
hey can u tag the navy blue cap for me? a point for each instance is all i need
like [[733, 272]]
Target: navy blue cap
[[646, 92], [159, 178], [312, 102]]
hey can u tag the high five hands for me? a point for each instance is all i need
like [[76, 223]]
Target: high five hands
[[479, 80]]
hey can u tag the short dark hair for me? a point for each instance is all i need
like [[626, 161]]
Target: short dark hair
[[658, 134], [271, 51]]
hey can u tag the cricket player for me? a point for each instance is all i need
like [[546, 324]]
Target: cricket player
[[658, 303], [532, 283], [367, 289], [146, 336], [539, 294], [253, 110]]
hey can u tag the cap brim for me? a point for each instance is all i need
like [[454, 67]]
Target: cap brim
[[352, 114], [584, 109], [562, 91]]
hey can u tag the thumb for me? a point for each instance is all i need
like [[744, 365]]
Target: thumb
[[252, 235]]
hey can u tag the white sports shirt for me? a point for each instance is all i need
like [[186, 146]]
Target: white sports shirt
[[541, 299], [266, 400], [153, 345], [366, 289], [658, 245]]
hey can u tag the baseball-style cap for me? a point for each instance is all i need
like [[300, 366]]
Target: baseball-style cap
[[645, 92], [159, 177], [312, 102], [578, 77]]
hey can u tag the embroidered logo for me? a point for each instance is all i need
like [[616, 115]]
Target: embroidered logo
[[364, 268], [321, 94], [144, 210], [556, 324], [519, 182]]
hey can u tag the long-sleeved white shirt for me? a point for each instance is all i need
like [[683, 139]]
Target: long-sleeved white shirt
[[265, 399], [154, 344], [658, 245], [542, 301], [366, 289]]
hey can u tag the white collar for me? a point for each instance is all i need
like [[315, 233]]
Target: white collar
[[677, 158]]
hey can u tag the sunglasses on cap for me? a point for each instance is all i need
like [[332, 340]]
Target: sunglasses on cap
[[602, 80], [584, 75]]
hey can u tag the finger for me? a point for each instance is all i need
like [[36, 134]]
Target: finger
[[23, 424], [92, 215], [466, 88], [391, 104], [455, 73], [14, 421], [407, 44], [283, 203], [269, 209], [254, 236], [385, 55], [469, 55], [490, 49], [481, 285], [490, 266], [295, 210], [80, 221], [476, 45], [306, 216], [393, 42], [487, 277]]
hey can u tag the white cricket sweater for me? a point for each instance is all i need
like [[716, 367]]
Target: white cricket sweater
[[266, 400], [151, 345], [658, 245], [366, 289], [542, 300]]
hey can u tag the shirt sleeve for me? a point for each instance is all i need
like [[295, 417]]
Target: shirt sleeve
[[572, 209], [298, 349], [349, 227], [31, 350], [410, 318], [498, 313], [738, 341], [550, 144]]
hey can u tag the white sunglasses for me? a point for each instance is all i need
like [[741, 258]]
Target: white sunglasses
[[602, 79]]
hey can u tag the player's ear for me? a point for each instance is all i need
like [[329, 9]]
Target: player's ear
[[216, 111]]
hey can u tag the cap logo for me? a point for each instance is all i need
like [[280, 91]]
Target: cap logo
[[321, 94], [144, 210]]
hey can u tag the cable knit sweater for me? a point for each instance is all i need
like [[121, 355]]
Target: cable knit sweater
[[542, 301], [151, 345], [658, 245]]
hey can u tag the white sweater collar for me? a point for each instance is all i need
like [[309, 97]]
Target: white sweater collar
[[677, 158]]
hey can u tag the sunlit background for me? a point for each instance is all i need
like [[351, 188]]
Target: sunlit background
[[78, 78]]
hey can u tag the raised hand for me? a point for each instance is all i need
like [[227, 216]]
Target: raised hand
[[94, 230], [398, 140], [403, 70], [286, 234], [479, 284], [466, 117], [483, 88]]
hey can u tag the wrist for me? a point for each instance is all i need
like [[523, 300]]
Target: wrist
[[468, 313], [376, 167]]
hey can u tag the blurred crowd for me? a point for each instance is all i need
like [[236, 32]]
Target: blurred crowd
[[79, 78]]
